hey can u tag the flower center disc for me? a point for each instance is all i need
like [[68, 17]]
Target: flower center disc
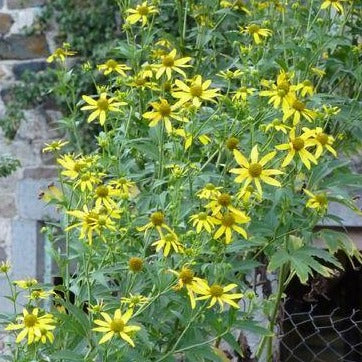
[[117, 325], [196, 90], [30, 320], [321, 199], [232, 143], [135, 264], [157, 218], [299, 106], [228, 220], [216, 290], [102, 104], [164, 109], [224, 199], [253, 28], [322, 138], [298, 144], [255, 169], [202, 216], [168, 61], [111, 63], [210, 187], [186, 275], [102, 191], [143, 10]]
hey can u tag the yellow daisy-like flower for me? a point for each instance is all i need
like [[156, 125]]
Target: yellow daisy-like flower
[[61, 53], [321, 140], [32, 325], [318, 201], [26, 283], [196, 92], [202, 221], [54, 146], [228, 223], [186, 279], [134, 300], [218, 293], [336, 4], [305, 88], [116, 326], [169, 242], [223, 202], [189, 138], [235, 5], [209, 191], [141, 13], [297, 110], [125, 186], [281, 93], [278, 125], [170, 63], [229, 74], [5, 266], [256, 32], [111, 66], [87, 180], [255, 170], [39, 294], [318, 71], [45, 336], [242, 93], [163, 111], [298, 145], [101, 107], [103, 196], [52, 193], [245, 194], [73, 165], [157, 221]]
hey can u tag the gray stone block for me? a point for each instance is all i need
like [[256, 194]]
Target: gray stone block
[[22, 4], [34, 67], [22, 47], [5, 304], [6, 21], [29, 205]]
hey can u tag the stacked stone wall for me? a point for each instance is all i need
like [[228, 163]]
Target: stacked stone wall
[[21, 50]]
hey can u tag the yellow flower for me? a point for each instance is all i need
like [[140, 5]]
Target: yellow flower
[[321, 140], [245, 193], [281, 93], [217, 293], [52, 193], [277, 125], [141, 13], [73, 165], [157, 221], [61, 54], [54, 146], [297, 110], [116, 326], [235, 5], [87, 180], [40, 294], [317, 201], [5, 266], [306, 87], [298, 145], [320, 72], [96, 308], [134, 300], [333, 3], [32, 326], [223, 202], [135, 264], [196, 93], [228, 222], [125, 186], [103, 195], [330, 110], [209, 191], [101, 107], [229, 74], [255, 170], [26, 284], [168, 242], [45, 336], [163, 111], [186, 279], [242, 93], [112, 65], [170, 63], [202, 221], [189, 138], [256, 32]]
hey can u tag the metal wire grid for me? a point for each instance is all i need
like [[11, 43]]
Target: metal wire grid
[[324, 338]]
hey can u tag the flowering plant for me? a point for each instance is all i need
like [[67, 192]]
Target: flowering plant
[[219, 151]]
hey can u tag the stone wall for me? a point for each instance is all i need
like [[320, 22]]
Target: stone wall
[[19, 207]]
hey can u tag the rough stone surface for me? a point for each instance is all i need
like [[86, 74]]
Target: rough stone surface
[[5, 23], [21, 47], [7, 205], [34, 67], [1, 3], [21, 4]]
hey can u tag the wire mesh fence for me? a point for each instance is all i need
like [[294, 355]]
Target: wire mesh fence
[[311, 337]]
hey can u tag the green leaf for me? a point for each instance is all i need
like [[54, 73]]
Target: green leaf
[[254, 327], [229, 338], [66, 355]]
